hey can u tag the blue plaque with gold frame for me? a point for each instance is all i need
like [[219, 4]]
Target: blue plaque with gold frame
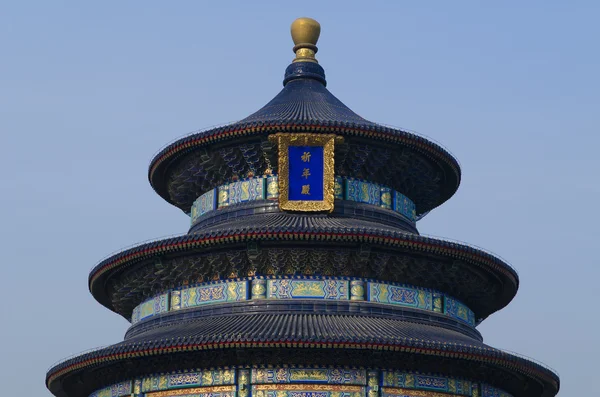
[[306, 174]]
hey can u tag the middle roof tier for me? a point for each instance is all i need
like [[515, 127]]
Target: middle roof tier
[[284, 244]]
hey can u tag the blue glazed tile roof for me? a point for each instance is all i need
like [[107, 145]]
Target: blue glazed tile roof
[[307, 327], [361, 213], [303, 306], [311, 331], [306, 100]]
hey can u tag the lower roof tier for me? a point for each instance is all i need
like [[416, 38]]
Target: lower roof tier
[[282, 244], [301, 339]]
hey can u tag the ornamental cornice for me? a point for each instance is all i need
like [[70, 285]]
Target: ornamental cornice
[[178, 345]]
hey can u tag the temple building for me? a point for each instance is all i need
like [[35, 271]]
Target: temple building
[[303, 273]]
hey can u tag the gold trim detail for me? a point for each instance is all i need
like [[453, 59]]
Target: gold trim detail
[[308, 387], [195, 390], [394, 391], [327, 141]]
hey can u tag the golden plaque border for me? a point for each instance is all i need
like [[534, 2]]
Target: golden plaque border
[[327, 141]]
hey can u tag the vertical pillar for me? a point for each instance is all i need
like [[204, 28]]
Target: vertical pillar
[[338, 188], [272, 187], [243, 383], [438, 303], [175, 300], [373, 388], [386, 198], [357, 290], [137, 388], [259, 288]]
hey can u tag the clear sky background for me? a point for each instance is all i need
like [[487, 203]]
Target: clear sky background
[[89, 91]]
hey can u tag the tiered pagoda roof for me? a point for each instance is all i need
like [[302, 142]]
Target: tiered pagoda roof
[[254, 286]]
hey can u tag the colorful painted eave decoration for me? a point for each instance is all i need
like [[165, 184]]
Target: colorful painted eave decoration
[[297, 381], [319, 288], [267, 188], [400, 240]]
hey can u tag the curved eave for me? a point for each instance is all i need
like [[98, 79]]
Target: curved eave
[[393, 240], [449, 165], [313, 332]]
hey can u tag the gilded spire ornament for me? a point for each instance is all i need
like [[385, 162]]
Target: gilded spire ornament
[[305, 33]]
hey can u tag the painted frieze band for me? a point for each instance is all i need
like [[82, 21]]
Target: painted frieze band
[[218, 377], [307, 289], [267, 188], [455, 309], [298, 382], [220, 292], [307, 390], [309, 375], [325, 288], [489, 391], [157, 305], [400, 295], [116, 390], [214, 391], [407, 380]]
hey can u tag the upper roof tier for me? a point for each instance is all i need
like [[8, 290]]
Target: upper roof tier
[[408, 163]]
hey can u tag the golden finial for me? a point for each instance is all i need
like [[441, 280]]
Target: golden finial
[[305, 33]]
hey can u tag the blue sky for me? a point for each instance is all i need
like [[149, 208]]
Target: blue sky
[[89, 91]]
